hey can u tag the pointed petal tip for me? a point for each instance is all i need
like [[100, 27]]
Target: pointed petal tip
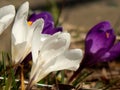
[[12, 7], [41, 20], [105, 22], [102, 26], [38, 23], [24, 6], [7, 9], [22, 11], [26, 3]]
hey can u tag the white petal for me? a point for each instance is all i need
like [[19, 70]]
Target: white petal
[[37, 36], [2, 27], [55, 45], [17, 52], [20, 27], [70, 60], [51, 48], [23, 11], [19, 31], [40, 75], [7, 14], [37, 25], [36, 69], [20, 47], [9, 9]]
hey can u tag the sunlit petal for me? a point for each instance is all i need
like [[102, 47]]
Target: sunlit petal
[[47, 52], [55, 45], [20, 26], [21, 34], [37, 40], [68, 60], [36, 26], [17, 52], [23, 11]]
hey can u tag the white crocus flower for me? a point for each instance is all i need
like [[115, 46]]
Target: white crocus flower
[[7, 14], [52, 54], [22, 34]]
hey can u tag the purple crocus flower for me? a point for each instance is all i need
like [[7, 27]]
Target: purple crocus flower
[[49, 27], [99, 46]]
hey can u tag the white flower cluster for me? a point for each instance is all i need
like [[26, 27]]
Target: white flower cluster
[[49, 52]]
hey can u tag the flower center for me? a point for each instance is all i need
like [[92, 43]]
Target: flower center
[[30, 23], [107, 34]]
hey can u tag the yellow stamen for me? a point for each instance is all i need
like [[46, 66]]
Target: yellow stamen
[[107, 34], [30, 23]]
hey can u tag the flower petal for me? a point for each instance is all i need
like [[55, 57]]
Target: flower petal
[[37, 39], [17, 52], [7, 14], [52, 31], [23, 11], [55, 45], [37, 25], [68, 60], [50, 48], [45, 15], [20, 26], [113, 53], [100, 36]]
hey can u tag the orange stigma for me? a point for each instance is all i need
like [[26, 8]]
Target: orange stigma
[[30, 23], [107, 34]]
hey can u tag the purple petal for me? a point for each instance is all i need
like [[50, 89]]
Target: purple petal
[[101, 36], [93, 58], [45, 15], [48, 19], [113, 53], [52, 31]]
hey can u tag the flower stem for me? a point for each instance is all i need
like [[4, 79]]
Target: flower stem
[[22, 78], [29, 86]]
